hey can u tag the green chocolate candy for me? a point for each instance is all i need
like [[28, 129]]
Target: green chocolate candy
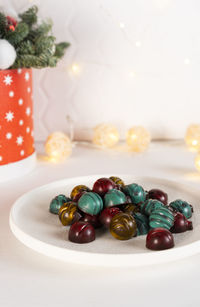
[[151, 204], [182, 206], [142, 223], [113, 198], [161, 218], [57, 202], [90, 203], [136, 193]]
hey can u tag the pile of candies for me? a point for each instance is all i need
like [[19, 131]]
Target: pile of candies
[[126, 211]]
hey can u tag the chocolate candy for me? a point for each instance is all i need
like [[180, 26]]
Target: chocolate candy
[[113, 198], [142, 223], [57, 202], [77, 189], [129, 208], [90, 203], [182, 207], [78, 196], [123, 226], [159, 239], [181, 224], [159, 195], [107, 215], [81, 232], [149, 205], [103, 185], [118, 181], [92, 219], [68, 213], [161, 218], [136, 193]]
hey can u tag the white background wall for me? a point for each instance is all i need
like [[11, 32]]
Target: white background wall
[[139, 63]]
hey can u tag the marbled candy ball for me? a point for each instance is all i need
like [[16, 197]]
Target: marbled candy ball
[[91, 219], [57, 202], [161, 218], [90, 203], [117, 181], [81, 232], [103, 185], [123, 226], [181, 224], [159, 195], [77, 189], [159, 239], [68, 213], [149, 205], [136, 192], [182, 207], [105, 135], [142, 223], [107, 215], [113, 198], [130, 208]]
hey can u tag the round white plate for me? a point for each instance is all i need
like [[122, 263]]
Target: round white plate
[[33, 224]]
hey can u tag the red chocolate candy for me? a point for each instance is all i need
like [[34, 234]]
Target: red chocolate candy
[[92, 219], [159, 195], [159, 239], [76, 198], [107, 215], [103, 185], [181, 224], [81, 232]]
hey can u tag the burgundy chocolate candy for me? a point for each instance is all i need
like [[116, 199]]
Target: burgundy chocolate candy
[[107, 215], [81, 232], [92, 219], [181, 224], [103, 185], [159, 239], [159, 195]]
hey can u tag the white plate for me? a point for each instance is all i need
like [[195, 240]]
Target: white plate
[[33, 224]]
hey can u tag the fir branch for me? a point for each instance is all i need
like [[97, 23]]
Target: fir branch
[[3, 24], [45, 45], [43, 29], [30, 16], [26, 47], [17, 36], [60, 49]]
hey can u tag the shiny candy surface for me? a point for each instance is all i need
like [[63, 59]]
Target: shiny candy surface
[[149, 205], [77, 189], [142, 223], [159, 195], [90, 203], [57, 202], [107, 215], [91, 219], [183, 207], [159, 239], [68, 213], [117, 180], [161, 218], [113, 198], [81, 232], [130, 208], [123, 226], [103, 185], [136, 193], [181, 224]]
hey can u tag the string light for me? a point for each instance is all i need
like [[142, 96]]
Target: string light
[[138, 138], [197, 162], [192, 137], [121, 25], [75, 69], [187, 61], [138, 44], [105, 135], [58, 146], [132, 74]]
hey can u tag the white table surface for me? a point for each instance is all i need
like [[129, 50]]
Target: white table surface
[[29, 279]]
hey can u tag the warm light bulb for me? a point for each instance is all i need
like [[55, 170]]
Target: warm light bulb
[[138, 139], [132, 74], [75, 69], [187, 61], [121, 25], [58, 146], [192, 137], [138, 44], [105, 135]]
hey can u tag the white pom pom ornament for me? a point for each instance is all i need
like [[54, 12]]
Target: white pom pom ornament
[[7, 54]]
